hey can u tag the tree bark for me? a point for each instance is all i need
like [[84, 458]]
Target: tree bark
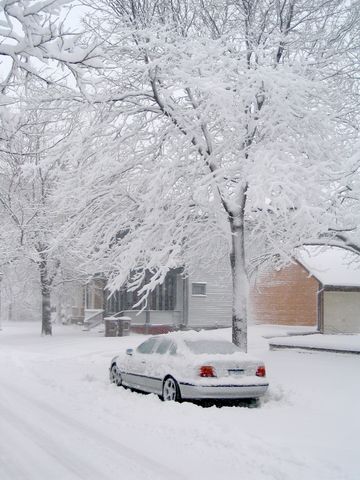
[[46, 328], [239, 283]]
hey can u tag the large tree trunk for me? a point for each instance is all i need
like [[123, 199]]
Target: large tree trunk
[[46, 328], [239, 283]]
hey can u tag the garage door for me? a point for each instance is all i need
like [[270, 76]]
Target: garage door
[[341, 312]]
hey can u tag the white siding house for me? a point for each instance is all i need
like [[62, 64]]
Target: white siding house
[[210, 297], [203, 299]]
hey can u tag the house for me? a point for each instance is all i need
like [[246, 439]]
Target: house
[[201, 300], [87, 301], [320, 288]]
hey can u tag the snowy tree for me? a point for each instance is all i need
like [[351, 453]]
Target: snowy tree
[[38, 49], [21, 297], [35, 39], [34, 152], [215, 120]]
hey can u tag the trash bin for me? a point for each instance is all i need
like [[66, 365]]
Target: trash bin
[[117, 326], [110, 327], [124, 326]]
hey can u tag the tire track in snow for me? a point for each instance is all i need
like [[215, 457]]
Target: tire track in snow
[[18, 461], [140, 465]]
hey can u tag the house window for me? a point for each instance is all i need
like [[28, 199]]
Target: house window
[[163, 297], [198, 289]]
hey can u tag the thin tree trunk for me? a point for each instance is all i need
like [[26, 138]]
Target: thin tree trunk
[[239, 283], [46, 328]]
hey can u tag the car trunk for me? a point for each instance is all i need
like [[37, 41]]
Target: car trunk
[[230, 368]]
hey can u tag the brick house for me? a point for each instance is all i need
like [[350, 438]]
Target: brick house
[[320, 288]]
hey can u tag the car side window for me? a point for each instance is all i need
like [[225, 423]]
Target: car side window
[[163, 346], [147, 346]]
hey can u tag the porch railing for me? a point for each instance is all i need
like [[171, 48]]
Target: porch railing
[[93, 318]]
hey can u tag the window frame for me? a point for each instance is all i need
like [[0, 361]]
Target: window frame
[[202, 284]]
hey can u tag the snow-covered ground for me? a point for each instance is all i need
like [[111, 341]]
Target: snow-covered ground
[[347, 343], [60, 419]]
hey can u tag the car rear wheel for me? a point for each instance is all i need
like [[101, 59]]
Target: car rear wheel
[[254, 403], [115, 375], [171, 391]]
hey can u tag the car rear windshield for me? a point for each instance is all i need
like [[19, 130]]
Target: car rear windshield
[[200, 347]]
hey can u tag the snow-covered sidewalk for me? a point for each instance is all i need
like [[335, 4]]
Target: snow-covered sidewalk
[[308, 339], [60, 419]]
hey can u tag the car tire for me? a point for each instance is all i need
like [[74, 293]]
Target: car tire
[[115, 375], [171, 390], [254, 403]]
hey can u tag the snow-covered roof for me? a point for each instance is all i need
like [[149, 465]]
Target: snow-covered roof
[[331, 265]]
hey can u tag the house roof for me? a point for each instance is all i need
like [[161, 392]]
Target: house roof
[[331, 265]]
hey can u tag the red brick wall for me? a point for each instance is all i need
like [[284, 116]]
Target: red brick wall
[[286, 297]]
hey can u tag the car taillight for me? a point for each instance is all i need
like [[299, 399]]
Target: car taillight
[[207, 371], [261, 372]]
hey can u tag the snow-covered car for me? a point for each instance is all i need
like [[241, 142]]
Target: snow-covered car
[[188, 366]]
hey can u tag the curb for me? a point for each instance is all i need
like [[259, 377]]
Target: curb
[[274, 346]]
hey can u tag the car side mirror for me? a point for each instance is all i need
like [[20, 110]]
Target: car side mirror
[[129, 351]]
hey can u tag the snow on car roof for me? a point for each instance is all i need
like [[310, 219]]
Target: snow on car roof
[[204, 336], [331, 265], [194, 335]]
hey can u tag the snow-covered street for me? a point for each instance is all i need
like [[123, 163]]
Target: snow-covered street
[[60, 418]]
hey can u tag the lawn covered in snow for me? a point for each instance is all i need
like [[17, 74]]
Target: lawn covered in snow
[[61, 419]]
